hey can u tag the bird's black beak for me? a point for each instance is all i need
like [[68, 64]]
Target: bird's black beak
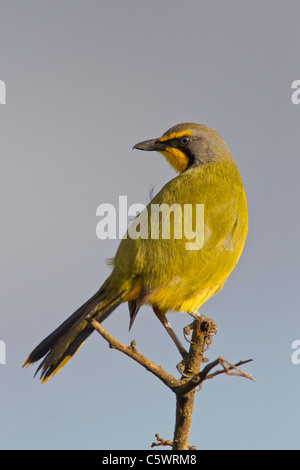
[[148, 145]]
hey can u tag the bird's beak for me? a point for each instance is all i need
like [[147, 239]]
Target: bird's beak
[[153, 144]]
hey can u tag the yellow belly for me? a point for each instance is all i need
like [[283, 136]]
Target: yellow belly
[[169, 298]]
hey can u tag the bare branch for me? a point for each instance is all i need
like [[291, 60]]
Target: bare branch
[[163, 442], [201, 337], [197, 379], [203, 330], [227, 369], [132, 352]]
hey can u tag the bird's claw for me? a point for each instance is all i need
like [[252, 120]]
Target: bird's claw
[[181, 367], [187, 331]]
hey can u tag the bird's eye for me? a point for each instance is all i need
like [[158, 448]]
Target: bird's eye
[[184, 140]]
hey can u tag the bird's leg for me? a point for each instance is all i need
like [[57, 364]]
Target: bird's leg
[[162, 318]]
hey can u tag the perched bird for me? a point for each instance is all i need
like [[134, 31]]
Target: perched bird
[[167, 272]]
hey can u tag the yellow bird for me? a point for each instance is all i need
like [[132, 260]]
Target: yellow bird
[[166, 267]]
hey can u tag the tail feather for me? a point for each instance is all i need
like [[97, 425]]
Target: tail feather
[[65, 341]]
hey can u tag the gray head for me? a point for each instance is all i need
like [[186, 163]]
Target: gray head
[[188, 144]]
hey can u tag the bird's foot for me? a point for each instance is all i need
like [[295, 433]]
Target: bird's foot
[[208, 324], [181, 368]]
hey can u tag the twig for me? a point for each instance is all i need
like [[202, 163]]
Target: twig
[[227, 369], [164, 442], [132, 352], [161, 442], [197, 379]]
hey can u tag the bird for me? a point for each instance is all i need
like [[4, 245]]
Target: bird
[[169, 273]]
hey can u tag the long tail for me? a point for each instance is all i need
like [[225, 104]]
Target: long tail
[[63, 342]]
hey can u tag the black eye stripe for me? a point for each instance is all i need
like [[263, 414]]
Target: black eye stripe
[[176, 141]]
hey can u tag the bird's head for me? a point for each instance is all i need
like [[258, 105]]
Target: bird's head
[[188, 144]]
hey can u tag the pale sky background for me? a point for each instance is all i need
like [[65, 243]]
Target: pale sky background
[[86, 80]]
